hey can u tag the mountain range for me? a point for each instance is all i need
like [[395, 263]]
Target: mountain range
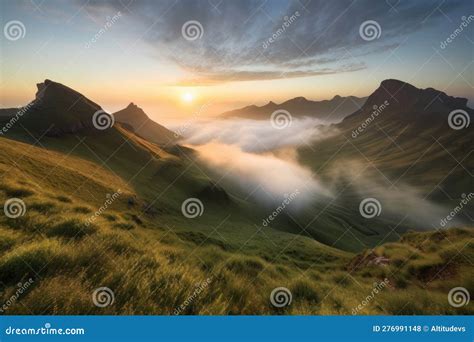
[[333, 110], [397, 146]]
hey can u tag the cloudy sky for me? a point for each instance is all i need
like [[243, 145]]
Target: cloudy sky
[[171, 57]]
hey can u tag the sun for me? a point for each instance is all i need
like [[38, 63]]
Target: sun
[[187, 97]]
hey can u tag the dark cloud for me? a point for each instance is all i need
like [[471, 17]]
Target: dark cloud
[[248, 39]]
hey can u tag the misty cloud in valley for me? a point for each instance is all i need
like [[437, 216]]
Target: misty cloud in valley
[[262, 162], [258, 158]]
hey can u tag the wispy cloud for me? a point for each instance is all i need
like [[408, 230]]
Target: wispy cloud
[[234, 32]]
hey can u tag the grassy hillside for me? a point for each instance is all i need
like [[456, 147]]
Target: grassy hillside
[[407, 157], [103, 208], [154, 261]]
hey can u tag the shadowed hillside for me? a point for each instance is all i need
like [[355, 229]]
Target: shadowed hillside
[[105, 207], [141, 124]]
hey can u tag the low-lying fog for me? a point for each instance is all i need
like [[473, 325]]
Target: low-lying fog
[[262, 161], [256, 156]]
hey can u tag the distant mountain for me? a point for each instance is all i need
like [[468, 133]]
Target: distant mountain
[[401, 149], [137, 120], [333, 110], [58, 110], [408, 104]]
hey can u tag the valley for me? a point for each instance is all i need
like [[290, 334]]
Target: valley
[[134, 177]]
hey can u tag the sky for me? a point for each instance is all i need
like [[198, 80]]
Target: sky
[[175, 58]]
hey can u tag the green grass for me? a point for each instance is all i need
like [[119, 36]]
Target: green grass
[[154, 261]]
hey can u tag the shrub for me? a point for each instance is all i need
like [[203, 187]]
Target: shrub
[[42, 207], [82, 210], [245, 266], [72, 228], [31, 260], [302, 289], [64, 199]]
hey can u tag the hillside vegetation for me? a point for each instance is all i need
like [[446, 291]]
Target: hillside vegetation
[[154, 262]]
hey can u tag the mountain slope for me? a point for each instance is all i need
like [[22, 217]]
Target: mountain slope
[[405, 155], [142, 246], [58, 109], [152, 263], [141, 124], [333, 110]]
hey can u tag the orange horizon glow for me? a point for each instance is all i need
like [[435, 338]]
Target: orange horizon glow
[[164, 100]]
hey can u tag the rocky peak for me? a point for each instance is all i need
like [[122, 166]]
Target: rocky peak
[[406, 97], [58, 110]]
